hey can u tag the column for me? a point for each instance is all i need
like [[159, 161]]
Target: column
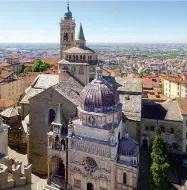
[[49, 172]]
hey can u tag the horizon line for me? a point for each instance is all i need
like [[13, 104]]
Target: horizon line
[[103, 42]]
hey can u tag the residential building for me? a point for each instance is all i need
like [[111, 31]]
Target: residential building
[[170, 116], [175, 86], [14, 61], [3, 138], [12, 89]]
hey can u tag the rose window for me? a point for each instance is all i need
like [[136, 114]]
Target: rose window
[[90, 165]]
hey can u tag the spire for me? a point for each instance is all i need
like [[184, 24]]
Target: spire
[[68, 6], [80, 34], [59, 118], [68, 13], [99, 72]]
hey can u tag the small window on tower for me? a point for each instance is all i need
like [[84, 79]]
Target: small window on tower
[[124, 178]]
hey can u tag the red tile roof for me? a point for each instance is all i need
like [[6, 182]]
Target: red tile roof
[[51, 60], [5, 103], [182, 102]]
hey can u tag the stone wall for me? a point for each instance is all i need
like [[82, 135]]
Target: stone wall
[[11, 175], [39, 126], [149, 126]]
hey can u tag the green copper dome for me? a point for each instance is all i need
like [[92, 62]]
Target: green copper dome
[[68, 13]]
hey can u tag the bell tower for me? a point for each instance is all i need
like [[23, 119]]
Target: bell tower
[[67, 32]]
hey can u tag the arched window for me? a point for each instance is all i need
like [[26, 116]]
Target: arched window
[[69, 57], [57, 143], [80, 57], [72, 37], [81, 70], [66, 36], [51, 116], [63, 145], [124, 178], [73, 70], [84, 57], [76, 57], [152, 128]]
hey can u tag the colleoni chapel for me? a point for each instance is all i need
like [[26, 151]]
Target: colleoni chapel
[[80, 140]]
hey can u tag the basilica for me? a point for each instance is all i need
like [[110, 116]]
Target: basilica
[[76, 132]]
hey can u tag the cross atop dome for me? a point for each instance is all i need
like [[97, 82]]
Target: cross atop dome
[[68, 13]]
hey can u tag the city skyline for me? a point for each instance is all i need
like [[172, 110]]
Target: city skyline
[[123, 22]]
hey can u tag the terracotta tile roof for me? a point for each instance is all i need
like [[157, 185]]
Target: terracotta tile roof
[[147, 86], [51, 60], [176, 79], [27, 64], [182, 102], [5, 64], [4, 74], [6, 103], [33, 73]]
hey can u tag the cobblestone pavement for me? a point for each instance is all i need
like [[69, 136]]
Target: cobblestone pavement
[[37, 182]]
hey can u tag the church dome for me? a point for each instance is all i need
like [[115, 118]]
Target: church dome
[[68, 13], [99, 96]]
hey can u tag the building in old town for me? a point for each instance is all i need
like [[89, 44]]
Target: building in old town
[[16, 131], [170, 117], [94, 151], [95, 147], [44, 105], [76, 57], [175, 85], [3, 137]]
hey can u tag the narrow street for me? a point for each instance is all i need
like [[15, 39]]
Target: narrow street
[[144, 170]]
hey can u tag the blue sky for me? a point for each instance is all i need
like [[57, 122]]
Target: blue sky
[[103, 21]]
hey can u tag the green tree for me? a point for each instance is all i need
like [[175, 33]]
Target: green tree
[[160, 166], [40, 66], [27, 69]]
